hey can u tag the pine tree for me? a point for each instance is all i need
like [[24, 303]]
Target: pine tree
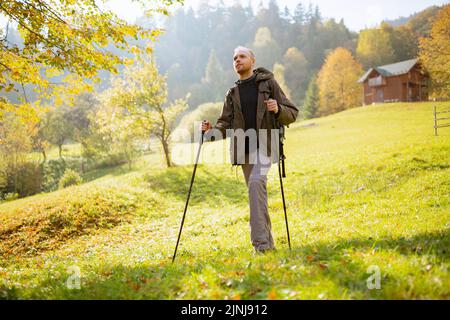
[[213, 68], [286, 15], [299, 14], [213, 78], [311, 105]]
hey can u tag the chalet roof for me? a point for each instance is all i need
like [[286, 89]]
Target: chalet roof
[[390, 70]]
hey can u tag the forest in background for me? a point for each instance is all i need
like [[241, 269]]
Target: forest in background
[[181, 79], [195, 50]]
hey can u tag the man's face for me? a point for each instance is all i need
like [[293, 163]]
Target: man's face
[[242, 63]]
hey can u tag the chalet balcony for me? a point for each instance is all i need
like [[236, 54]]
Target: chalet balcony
[[376, 82]]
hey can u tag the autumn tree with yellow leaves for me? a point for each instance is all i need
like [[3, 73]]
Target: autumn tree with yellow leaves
[[337, 82], [435, 53], [375, 48], [67, 40], [141, 93]]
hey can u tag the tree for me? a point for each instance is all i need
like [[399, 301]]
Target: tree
[[39, 139], [15, 144], [421, 22], [78, 116], [65, 38], [296, 73], [286, 15], [434, 53], [299, 14], [164, 124], [58, 129], [213, 79], [142, 92], [267, 50], [374, 48], [119, 130], [336, 35], [311, 38], [278, 71], [404, 42], [337, 82], [311, 105]]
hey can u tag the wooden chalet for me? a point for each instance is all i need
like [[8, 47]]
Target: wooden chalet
[[398, 82]]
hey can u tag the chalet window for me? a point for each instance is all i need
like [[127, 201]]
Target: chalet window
[[377, 81]]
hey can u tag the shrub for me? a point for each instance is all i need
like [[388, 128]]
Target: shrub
[[206, 111], [52, 172], [26, 180], [11, 196], [69, 178]]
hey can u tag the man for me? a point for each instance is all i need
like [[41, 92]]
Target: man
[[257, 105]]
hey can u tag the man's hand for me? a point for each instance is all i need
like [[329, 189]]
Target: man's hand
[[206, 125], [272, 105]]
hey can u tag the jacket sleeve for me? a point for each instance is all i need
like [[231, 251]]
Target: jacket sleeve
[[288, 112], [224, 122]]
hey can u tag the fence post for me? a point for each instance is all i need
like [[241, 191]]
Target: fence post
[[435, 122]]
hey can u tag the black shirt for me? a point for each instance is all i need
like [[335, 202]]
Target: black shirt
[[248, 92]]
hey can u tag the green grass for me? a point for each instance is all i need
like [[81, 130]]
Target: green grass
[[366, 187]]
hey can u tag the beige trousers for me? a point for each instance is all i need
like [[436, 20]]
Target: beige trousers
[[256, 179]]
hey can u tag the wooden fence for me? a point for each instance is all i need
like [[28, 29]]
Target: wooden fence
[[436, 119]]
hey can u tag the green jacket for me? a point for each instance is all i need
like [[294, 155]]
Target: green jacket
[[232, 117]]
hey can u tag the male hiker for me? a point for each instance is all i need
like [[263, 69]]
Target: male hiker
[[251, 105]]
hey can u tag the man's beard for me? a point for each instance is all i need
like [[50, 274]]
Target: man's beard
[[243, 71]]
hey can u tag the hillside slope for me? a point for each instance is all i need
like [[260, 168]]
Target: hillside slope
[[367, 190]]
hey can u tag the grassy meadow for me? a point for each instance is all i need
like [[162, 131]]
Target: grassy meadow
[[366, 189]]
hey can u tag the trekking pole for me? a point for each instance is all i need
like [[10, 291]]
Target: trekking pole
[[281, 159], [189, 195]]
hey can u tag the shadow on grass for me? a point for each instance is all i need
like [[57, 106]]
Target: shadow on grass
[[106, 171], [292, 274], [208, 185]]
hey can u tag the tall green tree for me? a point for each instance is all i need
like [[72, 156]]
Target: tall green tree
[[299, 14], [214, 80], [296, 73], [311, 105]]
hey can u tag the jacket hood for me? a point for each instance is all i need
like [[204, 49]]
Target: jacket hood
[[262, 74]]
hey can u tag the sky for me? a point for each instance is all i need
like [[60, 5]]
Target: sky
[[357, 14]]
